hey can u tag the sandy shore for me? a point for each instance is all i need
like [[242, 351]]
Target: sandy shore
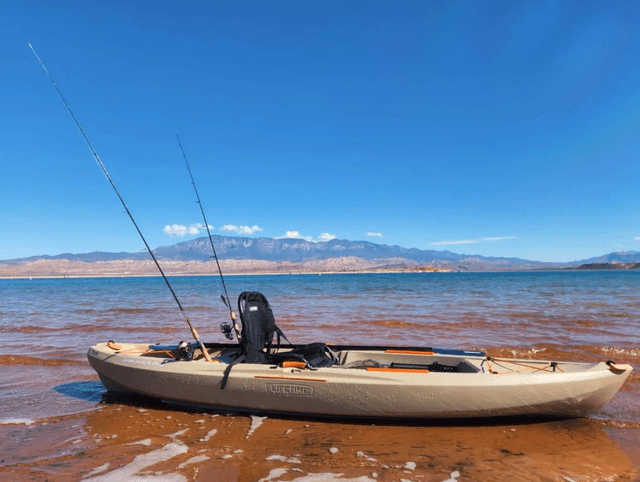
[[77, 269], [136, 439]]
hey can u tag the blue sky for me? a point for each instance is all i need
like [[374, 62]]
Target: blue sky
[[493, 128]]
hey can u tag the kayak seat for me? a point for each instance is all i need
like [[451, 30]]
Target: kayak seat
[[258, 330], [256, 339], [258, 327]]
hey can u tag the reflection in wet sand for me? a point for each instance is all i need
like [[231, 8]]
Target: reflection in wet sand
[[151, 441]]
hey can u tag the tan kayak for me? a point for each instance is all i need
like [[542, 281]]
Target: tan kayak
[[379, 382]]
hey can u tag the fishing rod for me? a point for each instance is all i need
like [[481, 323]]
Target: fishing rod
[[106, 173], [225, 298]]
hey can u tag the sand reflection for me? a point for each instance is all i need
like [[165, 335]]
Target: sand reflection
[[153, 442]]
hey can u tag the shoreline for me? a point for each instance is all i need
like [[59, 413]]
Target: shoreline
[[60, 269], [112, 442], [259, 273], [299, 273]]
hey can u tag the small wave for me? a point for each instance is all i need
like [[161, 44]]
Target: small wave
[[121, 311], [124, 328], [399, 324], [616, 423], [616, 314], [32, 360], [90, 328], [16, 421], [630, 352], [579, 353], [476, 324], [328, 328], [26, 329], [199, 308], [587, 323], [523, 315]]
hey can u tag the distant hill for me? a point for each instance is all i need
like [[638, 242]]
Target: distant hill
[[287, 250], [618, 257], [300, 250], [598, 266], [93, 257]]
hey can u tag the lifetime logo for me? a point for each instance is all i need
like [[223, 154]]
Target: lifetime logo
[[290, 390]]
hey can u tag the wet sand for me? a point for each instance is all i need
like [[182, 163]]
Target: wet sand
[[139, 439]]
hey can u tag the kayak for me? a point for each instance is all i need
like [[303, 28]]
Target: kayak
[[361, 381]]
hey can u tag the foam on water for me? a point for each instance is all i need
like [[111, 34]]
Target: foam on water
[[16, 421], [210, 434], [275, 475], [255, 424], [365, 456], [97, 470], [453, 477], [146, 442], [141, 462], [193, 460], [282, 458], [178, 433]]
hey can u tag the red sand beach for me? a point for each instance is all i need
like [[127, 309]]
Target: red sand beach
[[150, 441]]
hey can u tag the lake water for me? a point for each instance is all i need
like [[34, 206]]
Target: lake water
[[47, 326]]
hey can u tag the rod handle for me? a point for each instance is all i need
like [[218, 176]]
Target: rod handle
[[235, 323], [205, 353]]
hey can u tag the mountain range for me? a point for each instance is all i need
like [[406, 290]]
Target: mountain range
[[299, 251]]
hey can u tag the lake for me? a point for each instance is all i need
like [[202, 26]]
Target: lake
[[47, 325]]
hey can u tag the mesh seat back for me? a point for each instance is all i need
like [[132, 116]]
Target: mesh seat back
[[258, 326]]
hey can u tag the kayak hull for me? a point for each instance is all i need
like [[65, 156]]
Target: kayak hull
[[477, 388]]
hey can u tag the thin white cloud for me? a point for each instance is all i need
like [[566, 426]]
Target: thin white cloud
[[637, 240], [374, 235], [498, 238], [445, 243], [241, 229], [473, 241], [326, 237], [180, 230]]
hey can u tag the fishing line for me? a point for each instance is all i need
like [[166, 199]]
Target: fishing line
[[225, 299], [106, 173]]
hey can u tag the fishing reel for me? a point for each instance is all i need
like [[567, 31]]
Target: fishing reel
[[185, 350], [226, 330]]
